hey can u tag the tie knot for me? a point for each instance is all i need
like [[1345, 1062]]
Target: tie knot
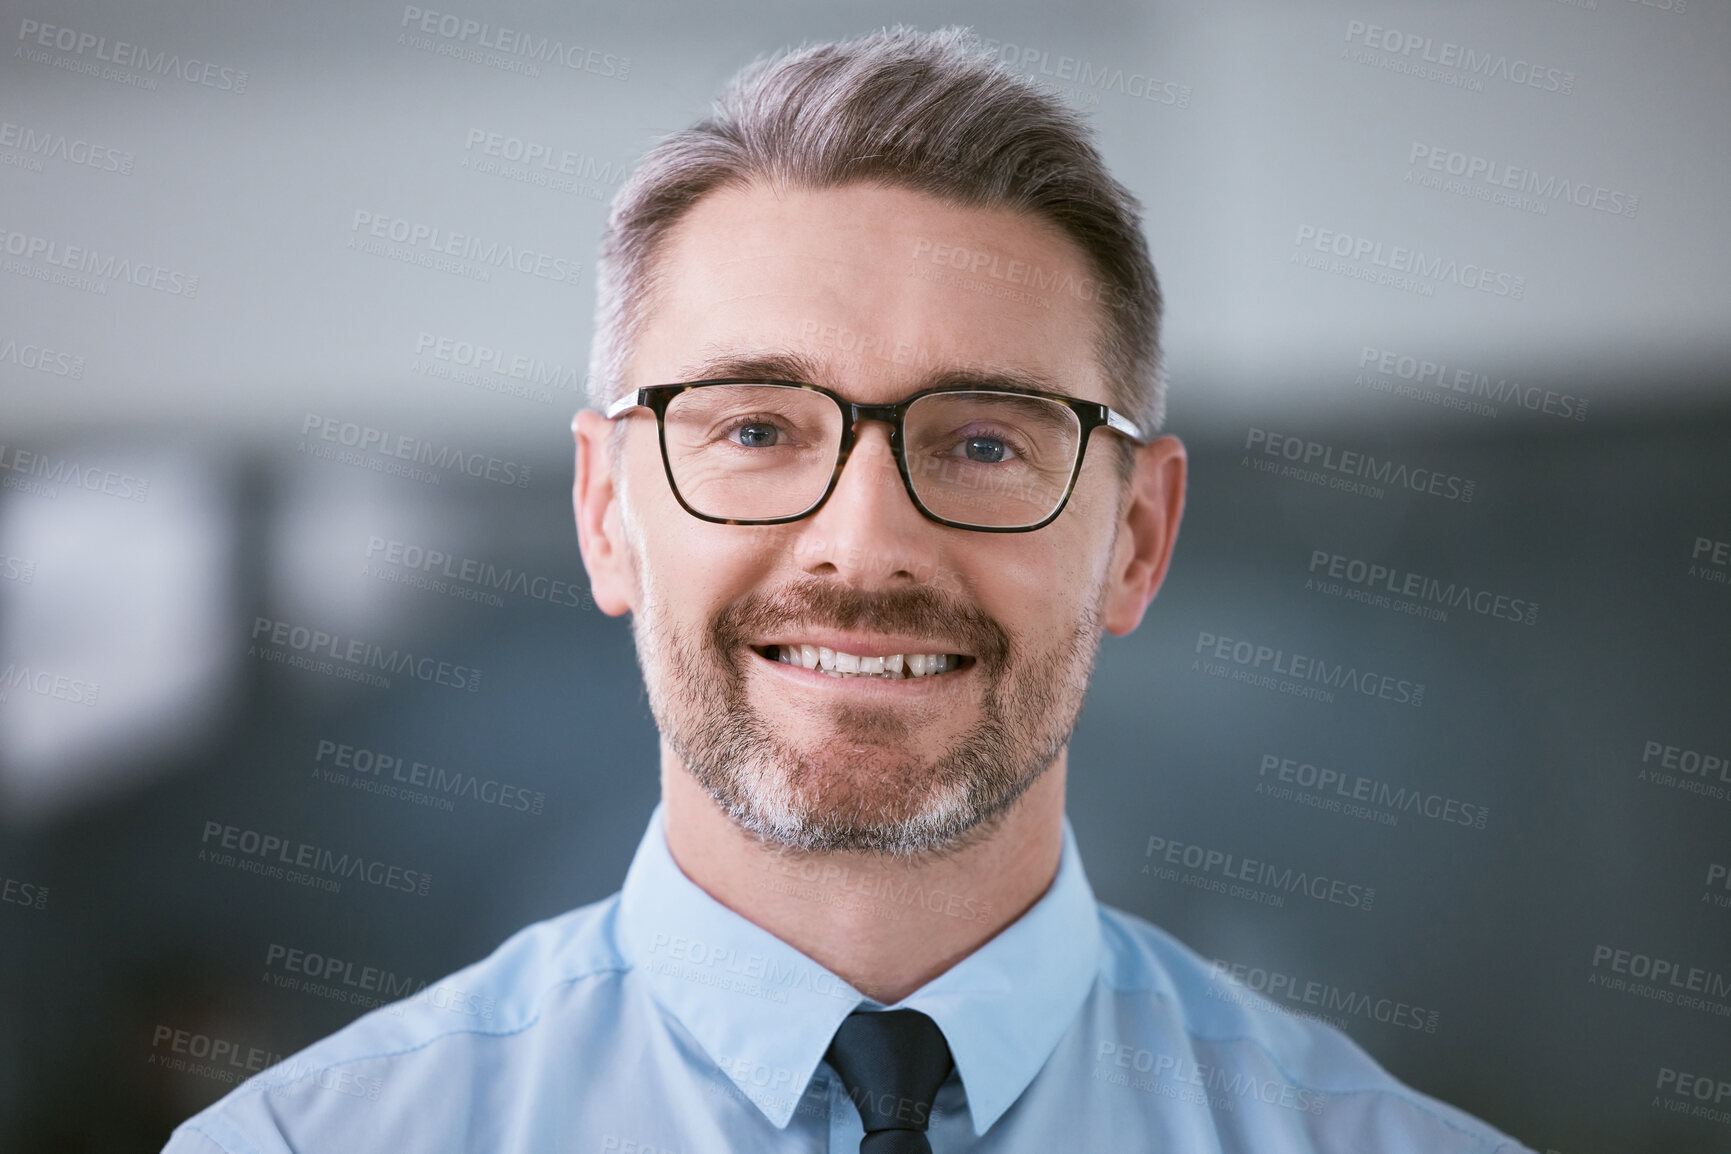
[[891, 1062]]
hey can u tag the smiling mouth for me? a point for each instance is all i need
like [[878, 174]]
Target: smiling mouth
[[894, 667]]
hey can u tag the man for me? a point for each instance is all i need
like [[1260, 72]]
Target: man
[[877, 365]]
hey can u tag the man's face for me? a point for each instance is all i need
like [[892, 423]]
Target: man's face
[[842, 286]]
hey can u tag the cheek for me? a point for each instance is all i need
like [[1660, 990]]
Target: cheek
[[1031, 586], [668, 543], [688, 568], [1051, 587], [1090, 527], [687, 575]]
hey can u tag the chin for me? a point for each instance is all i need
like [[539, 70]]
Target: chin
[[825, 809]]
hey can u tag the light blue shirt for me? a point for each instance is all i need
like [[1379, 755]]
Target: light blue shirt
[[660, 1022]]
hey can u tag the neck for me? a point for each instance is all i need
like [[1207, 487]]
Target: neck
[[886, 926]]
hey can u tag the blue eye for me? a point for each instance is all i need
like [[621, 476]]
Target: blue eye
[[985, 450], [758, 435]]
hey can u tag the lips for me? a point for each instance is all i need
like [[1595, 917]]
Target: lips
[[890, 666]]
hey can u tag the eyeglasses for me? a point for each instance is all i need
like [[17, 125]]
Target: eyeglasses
[[742, 451]]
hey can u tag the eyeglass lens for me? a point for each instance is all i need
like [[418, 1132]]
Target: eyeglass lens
[[753, 452]]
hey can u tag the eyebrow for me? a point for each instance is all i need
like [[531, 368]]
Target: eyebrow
[[789, 365], [768, 364]]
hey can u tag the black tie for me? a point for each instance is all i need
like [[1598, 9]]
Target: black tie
[[891, 1063]]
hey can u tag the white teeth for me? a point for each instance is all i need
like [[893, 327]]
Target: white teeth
[[894, 666]]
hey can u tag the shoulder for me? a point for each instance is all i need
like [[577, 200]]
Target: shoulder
[[1243, 1042], [446, 1033]]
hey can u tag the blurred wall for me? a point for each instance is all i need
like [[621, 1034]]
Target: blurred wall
[[1480, 243]]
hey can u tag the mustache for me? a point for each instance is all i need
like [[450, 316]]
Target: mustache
[[920, 611]]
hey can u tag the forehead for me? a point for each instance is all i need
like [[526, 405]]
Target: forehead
[[876, 290]]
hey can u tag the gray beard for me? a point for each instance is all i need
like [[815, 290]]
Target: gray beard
[[868, 790]]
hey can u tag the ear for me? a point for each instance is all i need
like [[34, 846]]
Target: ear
[[1146, 533], [600, 527]]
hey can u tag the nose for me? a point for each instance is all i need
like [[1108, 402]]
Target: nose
[[869, 533]]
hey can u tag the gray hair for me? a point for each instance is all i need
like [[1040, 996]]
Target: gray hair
[[926, 112]]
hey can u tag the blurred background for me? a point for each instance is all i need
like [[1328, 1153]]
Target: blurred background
[[286, 555]]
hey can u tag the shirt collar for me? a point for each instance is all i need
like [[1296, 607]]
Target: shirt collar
[[1004, 1007], [766, 1013]]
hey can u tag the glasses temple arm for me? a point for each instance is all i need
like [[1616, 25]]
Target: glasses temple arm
[[628, 401], [1126, 426]]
